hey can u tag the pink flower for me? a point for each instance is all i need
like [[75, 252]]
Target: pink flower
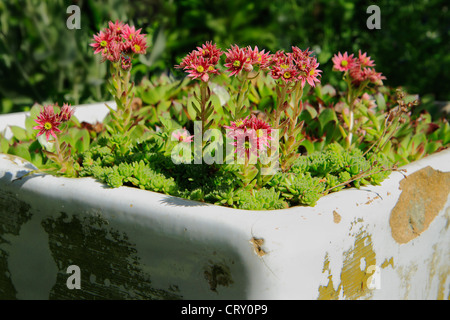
[[343, 62], [130, 33], [201, 63], [125, 62], [187, 61], [364, 60], [200, 68], [210, 52], [116, 28], [117, 40], [235, 59], [182, 135], [373, 76], [295, 66], [250, 136], [102, 42], [312, 75], [48, 122], [357, 74], [283, 67], [256, 59], [358, 68], [300, 55], [307, 66], [138, 45], [66, 112], [133, 40]]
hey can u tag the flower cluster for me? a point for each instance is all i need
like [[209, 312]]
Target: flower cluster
[[246, 59], [49, 121], [359, 68], [250, 135], [201, 63], [118, 42], [295, 66]]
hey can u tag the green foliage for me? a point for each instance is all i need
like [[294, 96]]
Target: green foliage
[[262, 199], [325, 165], [333, 169], [41, 60]]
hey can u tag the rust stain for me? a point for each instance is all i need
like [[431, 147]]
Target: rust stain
[[424, 194]]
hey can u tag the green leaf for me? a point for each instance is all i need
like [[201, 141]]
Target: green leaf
[[167, 123], [326, 116], [19, 133], [29, 124], [374, 120], [308, 145], [192, 109], [217, 106], [82, 141], [381, 102], [4, 145], [21, 150], [138, 132], [311, 111]]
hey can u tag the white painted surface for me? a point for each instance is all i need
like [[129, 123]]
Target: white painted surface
[[175, 238]]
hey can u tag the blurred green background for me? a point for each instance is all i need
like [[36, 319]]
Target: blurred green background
[[42, 61]]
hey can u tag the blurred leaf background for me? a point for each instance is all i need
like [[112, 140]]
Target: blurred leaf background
[[42, 61]]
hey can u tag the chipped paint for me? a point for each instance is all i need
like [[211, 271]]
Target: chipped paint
[[353, 279], [105, 255], [424, 194], [442, 281], [336, 217], [355, 271], [439, 271], [406, 273], [13, 214], [387, 263], [328, 292], [257, 244], [167, 254], [217, 274]]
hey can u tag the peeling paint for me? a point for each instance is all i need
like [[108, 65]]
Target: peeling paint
[[109, 263], [336, 217], [442, 282], [424, 194], [405, 274], [387, 263], [13, 214], [439, 271], [354, 274], [257, 244], [353, 279], [217, 274], [328, 292]]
